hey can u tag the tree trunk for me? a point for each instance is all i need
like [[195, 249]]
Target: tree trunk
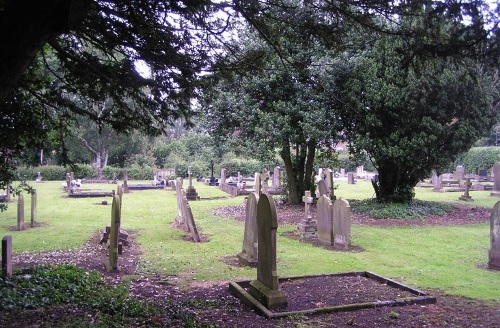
[[25, 26], [293, 196], [393, 184]]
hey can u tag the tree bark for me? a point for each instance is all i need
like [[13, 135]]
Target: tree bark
[[25, 26], [293, 196]]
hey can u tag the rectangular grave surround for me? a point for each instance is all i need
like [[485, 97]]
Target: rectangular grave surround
[[402, 294]]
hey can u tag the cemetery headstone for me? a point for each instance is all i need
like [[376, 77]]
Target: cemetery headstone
[[213, 181], [342, 173], [350, 178], [323, 188], [179, 221], [496, 184], [277, 177], [265, 288], [189, 219], [437, 182], [324, 219], [125, 186], [257, 184], [466, 196], [360, 171], [329, 183], [20, 213], [33, 207], [342, 223], [307, 227], [494, 253], [191, 193], [114, 235], [264, 181], [7, 256], [248, 255], [222, 176]]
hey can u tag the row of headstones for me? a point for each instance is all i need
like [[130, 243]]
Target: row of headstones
[[262, 246]]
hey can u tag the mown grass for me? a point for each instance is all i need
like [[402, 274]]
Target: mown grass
[[449, 258]]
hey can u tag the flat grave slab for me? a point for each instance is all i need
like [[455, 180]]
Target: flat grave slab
[[337, 292]]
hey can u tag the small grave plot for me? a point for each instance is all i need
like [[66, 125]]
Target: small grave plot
[[334, 293]]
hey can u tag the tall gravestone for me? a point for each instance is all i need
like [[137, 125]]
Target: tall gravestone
[[277, 177], [342, 223], [179, 220], [20, 213], [324, 219], [191, 193], [496, 176], [222, 176], [265, 288], [329, 183], [350, 178], [33, 207], [189, 219], [264, 181], [494, 253], [248, 255], [114, 235], [7, 256], [307, 227], [437, 182], [323, 188]]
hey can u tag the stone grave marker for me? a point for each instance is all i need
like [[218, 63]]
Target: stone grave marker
[[323, 188], [265, 288], [342, 173], [459, 173], [496, 184], [125, 187], [20, 213], [307, 227], [248, 255], [342, 223], [222, 176], [189, 219], [114, 234], [191, 193], [179, 220], [466, 196], [257, 184], [329, 183], [350, 178], [437, 182], [324, 219], [7, 256], [494, 253], [276, 177], [264, 181], [33, 207]]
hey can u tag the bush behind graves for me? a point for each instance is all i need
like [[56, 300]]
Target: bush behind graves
[[415, 209], [477, 158]]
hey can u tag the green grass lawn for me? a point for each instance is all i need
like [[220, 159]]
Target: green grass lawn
[[449, 258]]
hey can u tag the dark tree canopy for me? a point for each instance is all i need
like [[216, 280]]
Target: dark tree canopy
[[57, 57]]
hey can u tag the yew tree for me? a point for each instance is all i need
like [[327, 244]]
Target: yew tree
[[415, 116]]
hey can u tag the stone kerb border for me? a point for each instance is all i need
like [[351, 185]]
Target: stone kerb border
[[239, 289]]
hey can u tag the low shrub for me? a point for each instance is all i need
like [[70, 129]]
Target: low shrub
[[416, 209]]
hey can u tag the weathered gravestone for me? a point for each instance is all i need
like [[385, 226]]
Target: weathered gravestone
[[329, 183], [179, 220], [276, 177], [342, 223], [307, 226], [323, 188], [20, 213], [7, 256], [189, 219], [248, 255], [222, 176], [266, 289], [466, 196], [33, 207], [191, 193], [437, 182], [350, 178], [496, 184], [324, 219], [459, 173], [114, 234], [494, 254]]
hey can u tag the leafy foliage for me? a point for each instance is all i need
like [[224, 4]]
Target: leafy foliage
[[477, 158]]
